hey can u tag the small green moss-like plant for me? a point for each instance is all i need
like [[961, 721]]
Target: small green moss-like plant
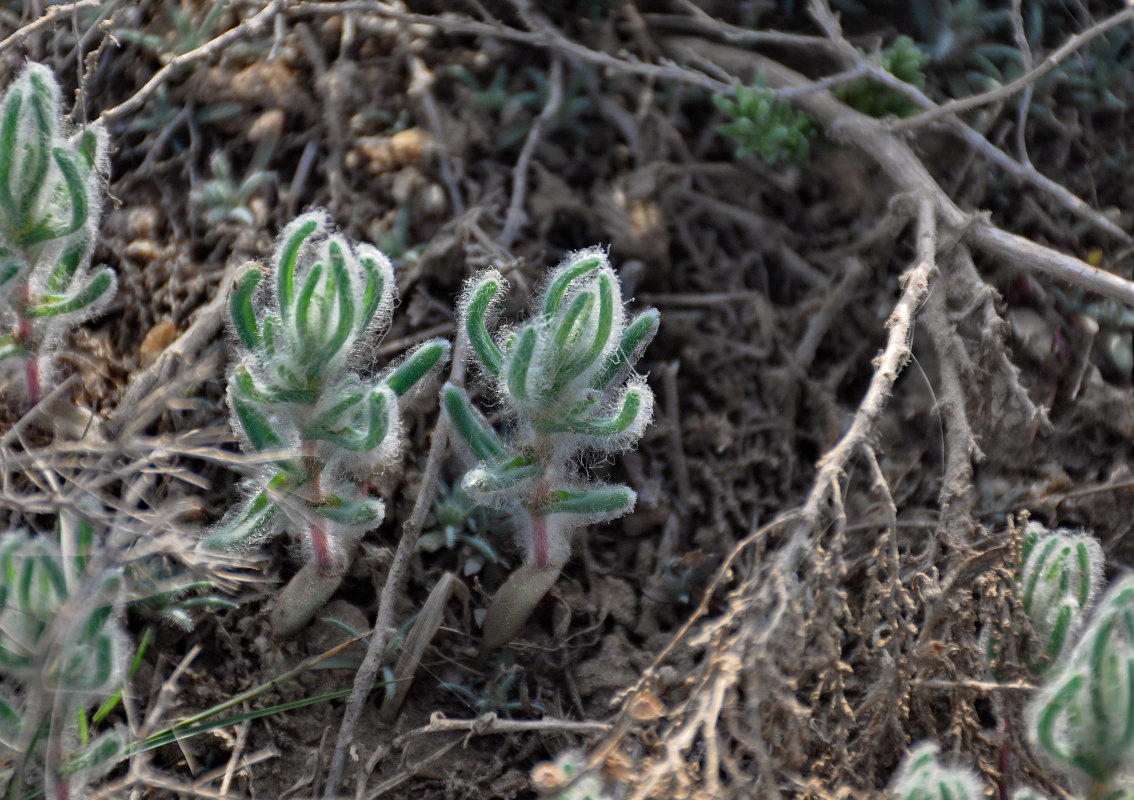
[[1082, 719], [50, 202], [61, 654], [564, 379], [294, 397], [921, 776], [765, 125], [905, 61], [1059, 578]]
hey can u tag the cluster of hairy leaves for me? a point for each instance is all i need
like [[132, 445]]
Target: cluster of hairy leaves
[[61, 654], [50, 203], [326, 429], [564, 378], [922, 776], [1057, 581], [765, 125], [1082, 719]]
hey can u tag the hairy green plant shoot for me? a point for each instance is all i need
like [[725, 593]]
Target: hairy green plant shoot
[[61, 654], [564, 377], [294, 395], [1082, 719], [1058, 580], [50, 202], [921, 776]]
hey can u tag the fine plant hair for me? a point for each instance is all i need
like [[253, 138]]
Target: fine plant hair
[[61, 655], [921, 776], [327, 430], [1059, 577], [50, 203], [1082, 719], [564, 377]]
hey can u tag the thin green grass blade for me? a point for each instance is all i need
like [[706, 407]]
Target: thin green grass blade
[[109, 704], [187, 727]]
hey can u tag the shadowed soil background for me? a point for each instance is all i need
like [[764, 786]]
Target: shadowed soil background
[[872, 362]]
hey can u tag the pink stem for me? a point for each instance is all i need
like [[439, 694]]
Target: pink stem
[[320, 544], [539, 542]]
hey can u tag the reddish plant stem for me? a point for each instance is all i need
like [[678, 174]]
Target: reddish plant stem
[[320, 544], [539, 541]]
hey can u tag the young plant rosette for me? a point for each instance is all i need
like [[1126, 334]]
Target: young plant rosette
[[50, 202], [1082, 719], [564, 378], [294, 397], [1058, 580]]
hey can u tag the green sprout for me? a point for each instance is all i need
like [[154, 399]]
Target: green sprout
[[462, 523], [1082, 719], [564, 377], [222, 199], [50, 202], [491, 695], [62, 654], [292, 395], [765, 125], [905, 61], [921, 776], [1057, 581]]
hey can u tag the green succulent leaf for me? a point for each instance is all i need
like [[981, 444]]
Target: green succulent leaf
[[519, 361], [381, 402], [285, 271], [484, 444], [9, 125], [615, 424], [256, 426], [564, 277], [65, 268], [633, 342], [416, 366], [240, 307], [338, 285], [245, 527], [355, 513], [614, 500], [480, 300], [99, 286]]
